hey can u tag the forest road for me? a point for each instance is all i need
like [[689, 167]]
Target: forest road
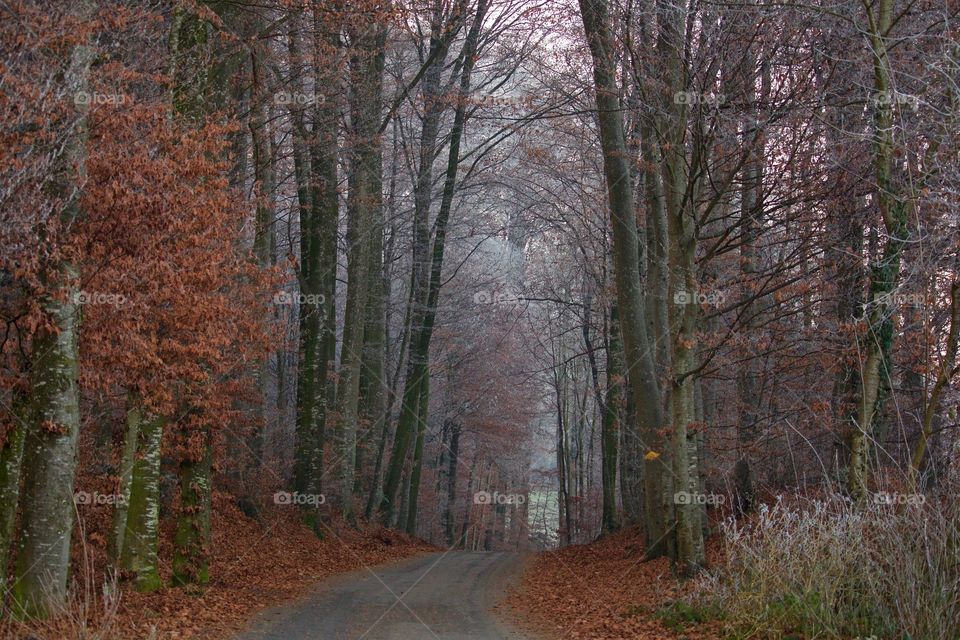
[[440, 596]]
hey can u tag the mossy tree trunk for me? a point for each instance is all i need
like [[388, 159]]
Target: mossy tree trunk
[[684, 289], [363, 324], [191, 541], [50, 442], [128, 456], [138, 551], [264, 247], [885, 274], [319, 212], [199, 88], [11, 458]]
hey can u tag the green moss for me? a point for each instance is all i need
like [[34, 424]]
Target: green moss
[[677, 615], [149, 581]]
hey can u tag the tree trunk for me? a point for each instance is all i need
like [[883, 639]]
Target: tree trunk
[[310, 316], [191, 541], [885, 275], [640, 368], [128, 456], [449, 514], [417, 365], [439, 244], [417, 464], [138, 553], [11, 459], [684, 311], [319, 209], [610, 430], [751, 217], [264, 249], [50, 453], [365, 240], [198, 90]]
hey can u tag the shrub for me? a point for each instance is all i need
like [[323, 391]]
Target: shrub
[[826, 568]]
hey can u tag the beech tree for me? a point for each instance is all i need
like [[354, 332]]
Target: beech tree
[[496, 273]]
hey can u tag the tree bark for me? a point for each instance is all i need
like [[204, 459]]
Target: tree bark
[[885, 274], [11, 459], [640, 368], [138, 553], [417, 365], [191, 540], [199, 83], [50, 453], [610, 430], [128, 457]]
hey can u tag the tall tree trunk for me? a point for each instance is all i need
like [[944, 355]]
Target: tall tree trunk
[[631, 456], [348, 388], [684, 312], [367, 64], [386, 423], [640, 368], [365, 209], [416, 466], [199, 73], [264, 246], [128, 456], [318, 271], [885, 274], [449, 513], [307, 449], [50, 454], [417, 365], [751, 217], [563, 455], [439, 244], [610, 430]]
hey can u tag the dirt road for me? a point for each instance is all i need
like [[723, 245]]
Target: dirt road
[[441, 596]]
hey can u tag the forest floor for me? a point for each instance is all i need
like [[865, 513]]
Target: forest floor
[[605, 591], [256, 564]]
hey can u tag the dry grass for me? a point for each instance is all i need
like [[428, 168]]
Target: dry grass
[[823, 568]]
